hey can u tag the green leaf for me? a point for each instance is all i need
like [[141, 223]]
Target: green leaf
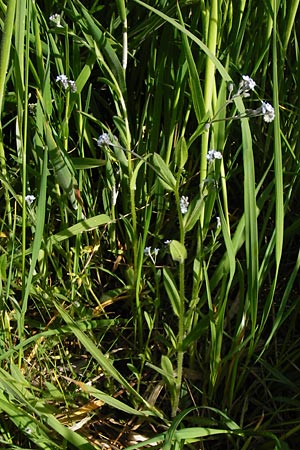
[[168, 370], [169, 437], [196, 90], [165, 174], [193, 214], [87, 163], [181, 153], [172, 290], [80, 227], [178, 251], [63, 169]]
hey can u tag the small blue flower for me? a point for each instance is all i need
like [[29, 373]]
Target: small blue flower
[[104, 139]]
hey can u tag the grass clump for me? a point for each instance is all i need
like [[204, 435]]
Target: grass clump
[[149, 252]]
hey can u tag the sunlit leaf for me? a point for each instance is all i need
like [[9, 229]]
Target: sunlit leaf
[[178, 251]]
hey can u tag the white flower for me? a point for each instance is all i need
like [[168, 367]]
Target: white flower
[[168, 242], [213, 154], [268, 112], [63, 79], [32, 108], [150, 253], [218, 222], [66, 83], [55, 20], [104, 139], [147, 251], [72, 85], [29, 199], [247, 84], [184, 204]]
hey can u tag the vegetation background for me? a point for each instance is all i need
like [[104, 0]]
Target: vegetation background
[[128, 321]]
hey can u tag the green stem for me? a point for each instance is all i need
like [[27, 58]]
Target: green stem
[[209, 86], [4, 59], [24, 141], [181, 319]]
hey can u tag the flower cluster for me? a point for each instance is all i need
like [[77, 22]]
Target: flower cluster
[[104, 139], [184, 204], [66, 83], [246, 84], [72, 85], [212, 155], [32, 108], [267, 111], [152, 254], [55, 20]]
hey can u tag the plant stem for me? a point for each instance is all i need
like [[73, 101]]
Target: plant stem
[[181, 319]]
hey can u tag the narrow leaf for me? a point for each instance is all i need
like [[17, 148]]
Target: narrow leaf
[[165, 174], [80, 227], [172, 291]]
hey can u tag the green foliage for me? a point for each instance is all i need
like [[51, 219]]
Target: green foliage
[[149, 293]]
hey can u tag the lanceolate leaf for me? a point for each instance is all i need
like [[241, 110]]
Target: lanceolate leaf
[[62, 165], [165, 174], [80, 227]]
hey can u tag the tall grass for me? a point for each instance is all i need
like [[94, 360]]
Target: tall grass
[[149, 293]]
